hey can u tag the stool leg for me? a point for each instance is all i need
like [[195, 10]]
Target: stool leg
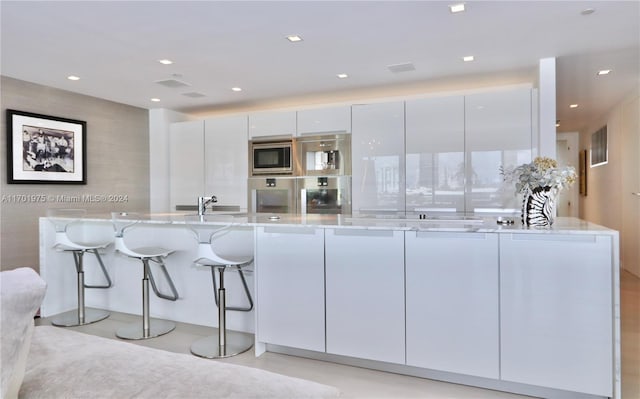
[[150, 328], [228, 343], [222, 316], [80, 316], [145, 300]]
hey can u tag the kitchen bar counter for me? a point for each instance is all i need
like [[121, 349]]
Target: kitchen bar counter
[[460, 299]]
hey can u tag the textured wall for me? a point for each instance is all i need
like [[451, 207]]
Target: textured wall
[[117, 163], [609, 201]]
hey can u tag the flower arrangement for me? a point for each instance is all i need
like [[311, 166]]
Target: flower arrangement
[[542, 172]]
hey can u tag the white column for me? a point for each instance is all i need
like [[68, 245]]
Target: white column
[[547, 108], [159, 121]]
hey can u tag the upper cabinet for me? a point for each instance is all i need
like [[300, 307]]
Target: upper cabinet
[[324, 120], [186, 163], [435, 165], [498, 131], [378, 161], [226, 160], [208, 158], [272, 123]]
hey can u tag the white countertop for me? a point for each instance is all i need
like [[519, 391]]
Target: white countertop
[[562, 225]]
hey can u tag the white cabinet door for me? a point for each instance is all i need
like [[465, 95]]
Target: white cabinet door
[[226, 160], [378, 165], [365, 294], [556, 311], [498, 132], [452, 302], [435, 154], [186, 163], [324, 120], [290, 285], [272, 123]]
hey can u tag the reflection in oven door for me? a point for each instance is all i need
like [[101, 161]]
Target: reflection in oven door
[[272, 195], [325, 195]]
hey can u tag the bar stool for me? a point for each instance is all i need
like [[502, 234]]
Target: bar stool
[[150, 327], [227, 343], [62, 219]]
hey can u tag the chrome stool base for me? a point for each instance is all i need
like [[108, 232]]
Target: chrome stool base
[[209, 347], [136, 331], [72, 319]]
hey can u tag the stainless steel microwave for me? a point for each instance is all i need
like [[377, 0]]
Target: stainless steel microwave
[[271, 157]]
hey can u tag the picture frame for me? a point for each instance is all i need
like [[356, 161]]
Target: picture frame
[[43, 149], [599, 148], [582, 172]]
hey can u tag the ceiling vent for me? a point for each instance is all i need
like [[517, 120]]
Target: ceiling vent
[[405, 67], [194, 94], [172, 83]]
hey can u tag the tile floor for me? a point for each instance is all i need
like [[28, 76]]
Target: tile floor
[[357, 382]]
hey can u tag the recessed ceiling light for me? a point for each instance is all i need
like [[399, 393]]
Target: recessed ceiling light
[[165, 62], [456, 7], [588, 11], [72, 77], [342, 75], [155, 100], [236, 89], [294, 38], [573, 106], [604, 72], [468, 58]]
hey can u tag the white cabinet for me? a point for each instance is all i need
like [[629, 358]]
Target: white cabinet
[[556, 311], [435, 171], [324, 120], [498, 132], [365, 294], [290, 287], [452, 302], [186, 163], [272, 123], [226, 160], [378, 161]]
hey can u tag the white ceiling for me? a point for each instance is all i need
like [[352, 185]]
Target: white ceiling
[[114, 47]]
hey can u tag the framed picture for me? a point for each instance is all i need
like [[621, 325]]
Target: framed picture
[[45, 149], [599, 150], [582, 172]]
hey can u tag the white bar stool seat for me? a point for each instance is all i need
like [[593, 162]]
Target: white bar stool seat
[[63, 219], [150, 328], [226, 343]]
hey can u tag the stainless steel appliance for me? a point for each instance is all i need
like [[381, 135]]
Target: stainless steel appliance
[[324, 195], [271, 194], [322, 155], [271, 157]]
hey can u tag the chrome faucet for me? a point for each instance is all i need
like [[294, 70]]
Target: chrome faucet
[[203, 202]]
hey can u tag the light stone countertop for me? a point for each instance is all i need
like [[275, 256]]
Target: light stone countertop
[[452, 223]]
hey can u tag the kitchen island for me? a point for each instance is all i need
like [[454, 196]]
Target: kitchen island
[[534, 311]]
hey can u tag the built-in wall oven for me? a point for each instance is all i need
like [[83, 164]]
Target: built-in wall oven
[[324, 195], [272, 157], [272, 194]]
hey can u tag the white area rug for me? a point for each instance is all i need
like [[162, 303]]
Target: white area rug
[[68, 364]]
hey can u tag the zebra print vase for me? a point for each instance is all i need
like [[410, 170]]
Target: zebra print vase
[[538, 206]]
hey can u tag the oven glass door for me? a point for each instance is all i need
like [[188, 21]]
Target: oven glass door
[[272, 195], [325, 195]]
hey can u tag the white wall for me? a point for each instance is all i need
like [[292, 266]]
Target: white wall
[[609, 199]]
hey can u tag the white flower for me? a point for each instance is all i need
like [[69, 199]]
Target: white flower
[[542, 172]]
